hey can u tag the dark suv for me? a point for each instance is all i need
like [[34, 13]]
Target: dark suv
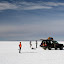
[[51, 44]]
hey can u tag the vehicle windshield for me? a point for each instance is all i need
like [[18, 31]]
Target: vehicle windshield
[[54, 41]]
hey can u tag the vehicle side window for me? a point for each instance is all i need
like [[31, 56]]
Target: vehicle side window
[[47, 41], [51, 42], [54, 41]]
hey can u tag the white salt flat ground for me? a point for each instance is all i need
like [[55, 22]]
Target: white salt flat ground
[[9, 54]]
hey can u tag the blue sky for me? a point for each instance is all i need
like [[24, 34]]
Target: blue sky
[[31, 19]]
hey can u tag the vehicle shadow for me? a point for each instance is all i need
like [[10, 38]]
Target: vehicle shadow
[[57, 49], [28, 52]]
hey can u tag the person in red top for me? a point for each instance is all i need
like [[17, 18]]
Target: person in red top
[[20, 47]]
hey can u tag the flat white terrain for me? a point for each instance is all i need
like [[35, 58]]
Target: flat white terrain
[[9, 54]]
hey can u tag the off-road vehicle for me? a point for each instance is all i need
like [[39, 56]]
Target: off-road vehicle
[[50, 43]]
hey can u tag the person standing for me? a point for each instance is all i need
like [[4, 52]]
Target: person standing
[[30, 44], [20, 47], [36, 43]]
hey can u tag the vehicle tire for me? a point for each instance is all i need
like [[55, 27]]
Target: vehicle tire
[[55, 48], [44, 48], [49, 48], [61, 48]]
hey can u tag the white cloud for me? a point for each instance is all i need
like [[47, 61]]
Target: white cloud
[[53, 4], [22, 6], [36, 7], [28, 5], [6, 5], [32, 6]]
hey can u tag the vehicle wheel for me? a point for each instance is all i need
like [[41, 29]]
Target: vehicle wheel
[[44, 48], [61, 48], [55, 48], [49, 48]]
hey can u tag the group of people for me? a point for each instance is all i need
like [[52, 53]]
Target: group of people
[[20, 46]]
